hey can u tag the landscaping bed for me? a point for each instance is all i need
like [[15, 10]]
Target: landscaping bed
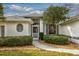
[[56, 39], [59, 41], [15, 41]]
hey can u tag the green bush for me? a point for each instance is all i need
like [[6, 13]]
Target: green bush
[[47, 38], [16, 41], [41, 35], [56, 39]]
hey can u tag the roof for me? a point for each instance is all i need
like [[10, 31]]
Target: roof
[[33, 15], [26, 17], [70, 20], [18, 18]]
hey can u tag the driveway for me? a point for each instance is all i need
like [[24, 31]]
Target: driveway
[[50, 48]]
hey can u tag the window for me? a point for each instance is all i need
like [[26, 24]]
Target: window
[[19, 27], [52, 29], [35, 29]]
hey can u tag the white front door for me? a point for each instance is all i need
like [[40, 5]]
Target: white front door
[[35, 32]]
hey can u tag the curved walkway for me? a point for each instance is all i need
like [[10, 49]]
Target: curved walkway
[[49, 48]]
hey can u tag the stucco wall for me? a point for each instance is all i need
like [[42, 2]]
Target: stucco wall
[[42, 27], [71, 29], [10, 29]]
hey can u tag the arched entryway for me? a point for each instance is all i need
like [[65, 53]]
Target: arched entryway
[[35, 32], [35, 28]]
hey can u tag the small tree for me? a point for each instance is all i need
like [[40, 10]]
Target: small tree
[[1, 12], [55, 14]]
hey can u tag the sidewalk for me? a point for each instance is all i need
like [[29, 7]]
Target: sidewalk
[[49, 48]]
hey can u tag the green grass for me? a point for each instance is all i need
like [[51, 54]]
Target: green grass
[[31, 52]]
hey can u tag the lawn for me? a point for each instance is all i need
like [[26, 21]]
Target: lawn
[[29, 51]]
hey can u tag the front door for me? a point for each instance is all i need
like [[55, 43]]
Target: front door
[[35, 32]]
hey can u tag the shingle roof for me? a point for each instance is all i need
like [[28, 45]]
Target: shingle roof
[[34, 15], [18, 18], [72, 19]]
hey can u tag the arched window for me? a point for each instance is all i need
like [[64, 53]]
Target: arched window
[[19, 27]]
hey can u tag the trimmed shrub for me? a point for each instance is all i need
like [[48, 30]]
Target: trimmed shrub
[[41, 35], [56, 39], [47, 38], [16, 41]]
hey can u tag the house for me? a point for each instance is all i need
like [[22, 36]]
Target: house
[[29, 25], [32, 25], [15, 26], [71, 28]]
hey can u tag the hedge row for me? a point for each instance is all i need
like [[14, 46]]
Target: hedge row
[[56, 39], [16, 41]]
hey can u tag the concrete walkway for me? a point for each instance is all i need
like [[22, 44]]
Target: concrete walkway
[[49, 48]]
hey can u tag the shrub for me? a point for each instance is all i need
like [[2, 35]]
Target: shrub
[[56, 39], [16, 41], [41, 35], [59, 40], [47, 38]]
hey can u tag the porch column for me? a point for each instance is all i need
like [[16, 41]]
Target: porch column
[[41, 25]]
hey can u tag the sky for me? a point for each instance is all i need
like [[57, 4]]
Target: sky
[[11, 9]]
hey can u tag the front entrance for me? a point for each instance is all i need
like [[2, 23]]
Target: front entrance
[[35, 32]]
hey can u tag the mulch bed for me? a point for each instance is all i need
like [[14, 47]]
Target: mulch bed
[[69, 46]]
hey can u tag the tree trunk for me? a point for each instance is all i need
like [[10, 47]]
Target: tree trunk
[[57, 29]]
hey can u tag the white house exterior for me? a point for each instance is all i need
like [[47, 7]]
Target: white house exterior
[[10, 26], [70, 27], [22, 26], [32, 25]]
